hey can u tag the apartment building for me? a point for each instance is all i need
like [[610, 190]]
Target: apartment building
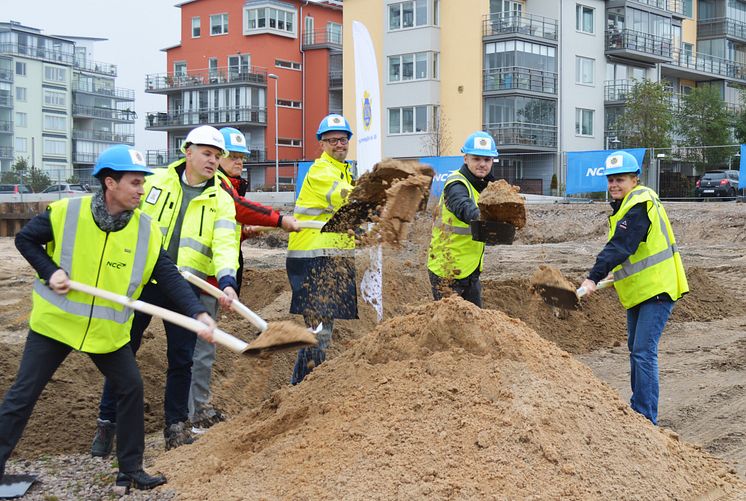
[[271, 68], [59, 108], [543, 77]]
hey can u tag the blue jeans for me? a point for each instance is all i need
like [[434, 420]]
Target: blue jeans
[[313, 356], [645, 323]]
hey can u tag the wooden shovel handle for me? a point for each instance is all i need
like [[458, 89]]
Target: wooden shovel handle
[[236, 306], [223, 338]]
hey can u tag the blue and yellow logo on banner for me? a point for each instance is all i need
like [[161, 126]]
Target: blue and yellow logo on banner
[[367, 112]]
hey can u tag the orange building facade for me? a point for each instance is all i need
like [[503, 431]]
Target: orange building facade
[[224, 72]]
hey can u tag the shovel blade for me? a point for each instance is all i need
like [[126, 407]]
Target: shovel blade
[[281, 336], [558, 297], [350, 216]]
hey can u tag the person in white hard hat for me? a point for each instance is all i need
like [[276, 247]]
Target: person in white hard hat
[[197, 219]]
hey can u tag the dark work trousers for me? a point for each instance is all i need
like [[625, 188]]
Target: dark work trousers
[[469, 287], [179, 352], [41, 358]]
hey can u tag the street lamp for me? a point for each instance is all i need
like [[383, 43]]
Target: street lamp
[[277, 143]]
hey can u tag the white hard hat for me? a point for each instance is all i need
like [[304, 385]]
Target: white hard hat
[[205, 135]]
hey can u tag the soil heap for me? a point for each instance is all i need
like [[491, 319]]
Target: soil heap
[[448, 401], [500, 201]]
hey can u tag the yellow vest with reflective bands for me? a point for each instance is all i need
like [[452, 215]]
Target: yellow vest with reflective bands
[[119, 261], [655, 267], [207, 244], [453, 253], [325, 189]]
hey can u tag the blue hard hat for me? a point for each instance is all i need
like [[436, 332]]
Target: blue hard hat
[[121, 158], [234, 140], [334, 122], [621, 162], [480, 144]]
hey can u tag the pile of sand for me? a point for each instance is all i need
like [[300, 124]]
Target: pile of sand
[[500, 201], [449, 401]]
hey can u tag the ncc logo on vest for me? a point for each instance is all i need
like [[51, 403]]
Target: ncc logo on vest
[[116, 265]]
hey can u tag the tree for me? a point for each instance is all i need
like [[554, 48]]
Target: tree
[[704, 121], [647, 120], [438, 140], [38, 180], [739, 120], [17, 172]]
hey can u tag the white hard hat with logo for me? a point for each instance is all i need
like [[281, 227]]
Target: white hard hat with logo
[[205, 135]]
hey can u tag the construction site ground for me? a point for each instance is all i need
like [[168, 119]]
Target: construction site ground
[[441, 401]]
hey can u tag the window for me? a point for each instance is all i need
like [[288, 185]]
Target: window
[[55, 147], [308, 35], [212, 69], [408, 119], [407, 14], [584, 18], [688, 8], [436, 65], [436, 12], [283, 141], [411, 67], [195, 27], [21, 94], [334, 33], [21, 119], [264, 19], [239, 64], [218, 24], [55, 98], [55, 122], [583, 70], [55, 74], [21, 145], [20, 68], [180, 69], [583, 122], [289, 104], [290, 65]]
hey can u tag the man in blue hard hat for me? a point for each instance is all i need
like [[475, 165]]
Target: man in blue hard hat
[[642, 256], [78, 239], [454, 259], [321, 266]]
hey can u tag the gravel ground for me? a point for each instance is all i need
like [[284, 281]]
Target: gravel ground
[[80, 476]]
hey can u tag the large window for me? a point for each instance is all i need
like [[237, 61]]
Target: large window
[[407, 14], [275, 19], [55, 147], [406, 67], [195, 27], [21, 94], [21, 119], [408, 119], [21, 145], [334, 33], [55, 98], [219, 24], [583, 122], [20, 68], [518, 53], [180, 68], [239, 64], [528, 110], [57, 123], [55, 74], [584, 70], [584, 18]]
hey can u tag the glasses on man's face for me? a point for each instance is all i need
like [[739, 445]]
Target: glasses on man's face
[[236, 157], [334, 141]]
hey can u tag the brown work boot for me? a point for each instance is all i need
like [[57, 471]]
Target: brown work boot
[[177, 434], [103, 440], [205, 417]]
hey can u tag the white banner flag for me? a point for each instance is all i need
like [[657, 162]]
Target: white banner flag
[[368, 134]]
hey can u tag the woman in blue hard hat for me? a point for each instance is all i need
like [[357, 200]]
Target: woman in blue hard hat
[[105, 241], [642, 256], [454, 258]]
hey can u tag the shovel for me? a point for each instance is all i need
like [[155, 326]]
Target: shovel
[[567, 299], [280, 336]]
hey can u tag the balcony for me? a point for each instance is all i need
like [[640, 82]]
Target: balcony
[[6, 100], [515, 24], [100, 90], [322, 39], [103, 136], [6, 75], [674, 6], [81, 111], [80, 157], [702, 67], [52, 55], [637, 45], [335, 80], [6, 127], [96, 67], [165, 82], [218, 117], [617, 91], [516, 78], [6, 153], [721, 27], [523, 136]]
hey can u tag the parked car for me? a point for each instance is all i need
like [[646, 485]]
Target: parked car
[[67, 188], [15, 189], [717, 183]]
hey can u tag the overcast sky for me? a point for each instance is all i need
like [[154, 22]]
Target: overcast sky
[[136, 30]]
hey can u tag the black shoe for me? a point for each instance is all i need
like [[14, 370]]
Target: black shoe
[[178, 434], [103, 440], [205, 417], [139, 480]]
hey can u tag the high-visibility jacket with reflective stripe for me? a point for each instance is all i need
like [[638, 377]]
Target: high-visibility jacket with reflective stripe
[[655, 267], [118, 261], [325, 189], [453, 253], [207, 244], [221, 177]]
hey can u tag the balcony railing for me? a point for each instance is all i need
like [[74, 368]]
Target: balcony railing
[[528, 24], [639, 42], [198, 78], [721, 27], [618, 90], [6, 152], [523, 134], [335, 79], [6, 100], [102, 135], [708, 64], [100, 90], [84, 157], [6, 126], [56, 56], [519, 78], [676, 6], [97, 67], [213, 116], [80, 110], [322, 38], [6, 75]]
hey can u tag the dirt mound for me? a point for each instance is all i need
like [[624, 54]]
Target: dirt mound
[[501, 202], [449, 401]]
